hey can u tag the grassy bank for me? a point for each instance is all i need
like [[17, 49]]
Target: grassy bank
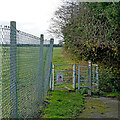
[[63, 104], [58, 57]]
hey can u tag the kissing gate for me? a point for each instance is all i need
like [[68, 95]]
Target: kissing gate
[[75, 76]]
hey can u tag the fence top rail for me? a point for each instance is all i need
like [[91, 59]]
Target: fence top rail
[[25, 45], [70, 64], [62, 64], [64, 71], [94, 65], [83, 66]]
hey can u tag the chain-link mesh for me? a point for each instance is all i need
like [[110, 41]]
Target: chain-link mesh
[[0, 71], [5, 71], [46, 62], [28, 74], [25, 68]]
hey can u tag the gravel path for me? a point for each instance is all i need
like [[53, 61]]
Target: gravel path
[[101, 107]]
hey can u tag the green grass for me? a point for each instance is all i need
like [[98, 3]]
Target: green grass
[[115, 94], [111, 94], [58, 58], [63, 104], [70, 86]]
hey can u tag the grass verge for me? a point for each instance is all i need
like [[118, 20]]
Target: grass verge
[[63, 104], [105, 94]]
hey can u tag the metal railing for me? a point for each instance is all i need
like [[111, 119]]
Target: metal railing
[[25, 70], [76, 75]]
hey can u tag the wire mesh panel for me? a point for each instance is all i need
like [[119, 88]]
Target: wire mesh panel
[[0, 71], [28, 59], [5, 71], [25, 68], [45, 68], [47, 64]]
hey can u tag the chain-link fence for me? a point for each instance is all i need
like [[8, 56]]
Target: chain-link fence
[[25, 70]]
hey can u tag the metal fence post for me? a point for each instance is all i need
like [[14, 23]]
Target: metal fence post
[[51, 53], [51, 80], [93, 82], [53, 77], [40, 83], [74, 76], [89, 78], [78, 77], [97, 76], [13, 71]]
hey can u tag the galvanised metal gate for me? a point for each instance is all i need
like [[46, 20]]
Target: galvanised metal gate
[[68, 76], [76, 76], [88, 77]]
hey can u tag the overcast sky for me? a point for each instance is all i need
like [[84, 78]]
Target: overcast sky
[[31, 16]]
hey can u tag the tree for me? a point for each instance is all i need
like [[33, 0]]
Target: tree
[[60, 42], [91, 32]]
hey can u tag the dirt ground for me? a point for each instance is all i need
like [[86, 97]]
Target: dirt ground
[[101, 107]]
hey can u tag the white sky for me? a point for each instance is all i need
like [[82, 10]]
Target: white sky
[[31, 16]]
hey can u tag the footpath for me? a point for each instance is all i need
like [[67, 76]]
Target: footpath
[[101, 107]]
